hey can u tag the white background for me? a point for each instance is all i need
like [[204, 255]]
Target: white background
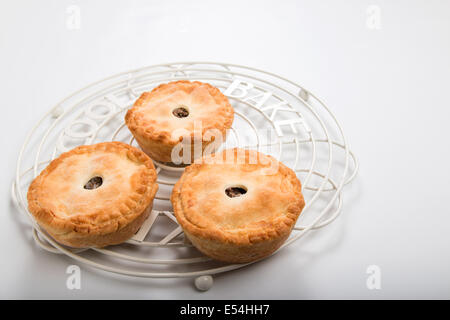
[[388, 87]]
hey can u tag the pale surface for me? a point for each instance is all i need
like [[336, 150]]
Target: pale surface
[[387, 87]]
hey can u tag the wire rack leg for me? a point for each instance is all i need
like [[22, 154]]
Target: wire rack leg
[[204, 283]]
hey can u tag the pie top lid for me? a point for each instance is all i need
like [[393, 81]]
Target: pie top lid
[[238, 196], [93, 189], [177, 109]]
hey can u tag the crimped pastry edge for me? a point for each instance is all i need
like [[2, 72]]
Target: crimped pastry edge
[[282, 228], [116, 219], [142, 131]]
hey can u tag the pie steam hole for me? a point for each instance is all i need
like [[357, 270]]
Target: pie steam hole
[[94, 183], [180, 112], [234, 192]]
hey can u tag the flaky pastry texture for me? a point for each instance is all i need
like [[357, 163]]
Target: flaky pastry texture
[[157, 130], [109, 214], [242, 228]]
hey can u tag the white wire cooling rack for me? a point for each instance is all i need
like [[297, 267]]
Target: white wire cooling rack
[[272, 114]]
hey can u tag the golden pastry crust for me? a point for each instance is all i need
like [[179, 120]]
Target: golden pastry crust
[[109, 214], [157, 130], [244, 228]]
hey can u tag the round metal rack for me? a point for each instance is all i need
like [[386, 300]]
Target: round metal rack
[[272, 114]]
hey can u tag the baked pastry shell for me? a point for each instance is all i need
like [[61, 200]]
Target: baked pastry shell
[[108, 226], [243, 245], [157, 141]]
